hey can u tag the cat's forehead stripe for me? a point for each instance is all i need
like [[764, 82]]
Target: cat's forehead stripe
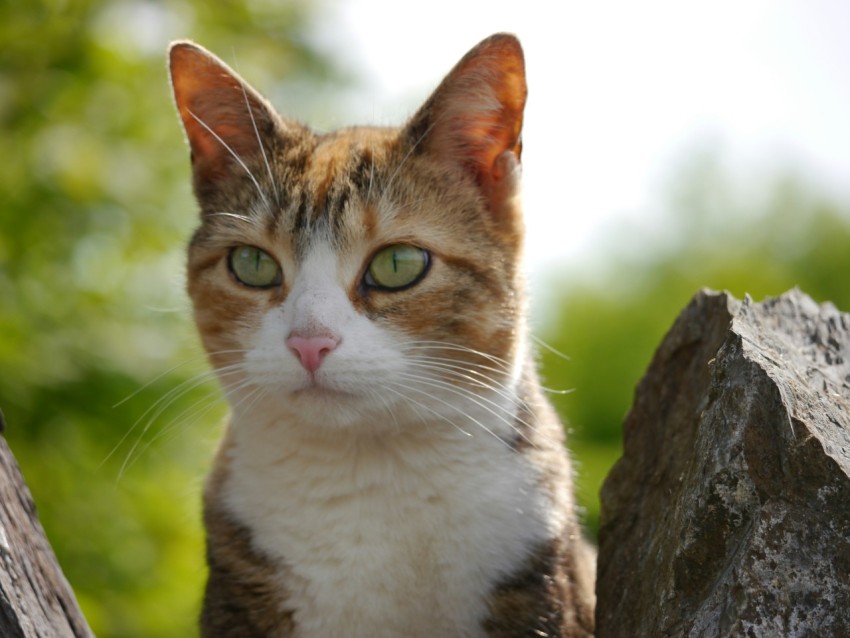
[[341, 168], [323, 171]]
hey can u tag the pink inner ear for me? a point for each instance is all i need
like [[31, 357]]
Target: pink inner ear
[[214, 104], [475, 119], [477, 110]]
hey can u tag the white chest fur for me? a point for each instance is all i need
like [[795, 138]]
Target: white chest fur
[[401, 534]]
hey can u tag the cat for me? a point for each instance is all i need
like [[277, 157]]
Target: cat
[[391, 467]]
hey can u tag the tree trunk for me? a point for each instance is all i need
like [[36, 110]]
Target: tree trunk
[[35, 598]]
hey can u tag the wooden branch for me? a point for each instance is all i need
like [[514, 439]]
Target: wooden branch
[[35, 598]]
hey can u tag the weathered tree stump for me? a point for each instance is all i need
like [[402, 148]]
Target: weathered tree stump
[[35, 598], [729, 512]]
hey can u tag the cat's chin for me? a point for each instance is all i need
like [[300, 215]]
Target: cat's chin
[[323, 393], [320, 407]]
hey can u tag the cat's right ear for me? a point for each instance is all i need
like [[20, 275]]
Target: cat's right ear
[[225, 119]]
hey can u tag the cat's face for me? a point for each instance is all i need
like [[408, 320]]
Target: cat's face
[[367, 276]]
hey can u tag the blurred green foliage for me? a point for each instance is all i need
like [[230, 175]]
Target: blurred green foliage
[[96, 207], [717, 232]]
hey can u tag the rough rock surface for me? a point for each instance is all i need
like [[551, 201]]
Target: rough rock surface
[[729, 513]]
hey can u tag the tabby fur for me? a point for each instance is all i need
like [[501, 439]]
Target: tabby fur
[[414, 482]]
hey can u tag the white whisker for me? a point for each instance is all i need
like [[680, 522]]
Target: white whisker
[[466, 415], [159, 406], [380, 398], [473, 369], [434, 383], [483, 383], [403, 161], [262, 146], [242, 218], [550, 348], [250, 400], [157, 378], [163, 404], [189, 415], [421, 405], [152, 414], [441, 345], [371, 176], [234, 154], [489, 405], [503, 366]]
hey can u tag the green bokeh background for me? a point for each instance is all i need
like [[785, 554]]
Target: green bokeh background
[[110, 410]]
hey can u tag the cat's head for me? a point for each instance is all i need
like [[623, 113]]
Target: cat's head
[[364, 276]]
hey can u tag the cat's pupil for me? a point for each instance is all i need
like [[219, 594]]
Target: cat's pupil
[[398, 266], [254, 267]]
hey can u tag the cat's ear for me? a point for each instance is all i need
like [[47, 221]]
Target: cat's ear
[[474, 118], [225, 119]]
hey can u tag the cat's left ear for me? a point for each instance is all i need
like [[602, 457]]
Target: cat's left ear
[[474, 118]]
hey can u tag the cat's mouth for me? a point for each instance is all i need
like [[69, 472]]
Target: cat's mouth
[[319, 403], [315, 390]]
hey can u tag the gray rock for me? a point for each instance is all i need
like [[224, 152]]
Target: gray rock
[[729, 512]]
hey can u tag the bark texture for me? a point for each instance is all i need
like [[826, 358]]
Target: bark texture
[[35, 598]]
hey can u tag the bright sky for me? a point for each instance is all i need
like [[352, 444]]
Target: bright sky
[[619, 91]]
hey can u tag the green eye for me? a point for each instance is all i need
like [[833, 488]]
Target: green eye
[[397, 266], [254, 267]]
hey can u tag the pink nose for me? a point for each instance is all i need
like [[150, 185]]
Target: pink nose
[[311, 350]]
